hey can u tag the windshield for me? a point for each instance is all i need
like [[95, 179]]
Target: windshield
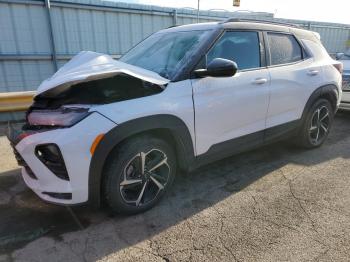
[[165, 53]]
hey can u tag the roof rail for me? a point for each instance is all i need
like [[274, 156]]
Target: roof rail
[[229, 20]]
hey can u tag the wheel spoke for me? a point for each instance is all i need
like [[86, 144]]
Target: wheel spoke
[[317, 135], [159, 185], [158, 177], [313, 128], [324, 117], [141, 194], [324, 128], [318, 114], [128, 182], [143, 160], [162, 162]]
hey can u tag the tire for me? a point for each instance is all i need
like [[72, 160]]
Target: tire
[[316, 126], [128, 189]]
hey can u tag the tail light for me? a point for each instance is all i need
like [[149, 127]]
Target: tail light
[[339, 67]]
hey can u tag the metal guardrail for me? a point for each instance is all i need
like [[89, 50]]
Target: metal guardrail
[[16, 101]]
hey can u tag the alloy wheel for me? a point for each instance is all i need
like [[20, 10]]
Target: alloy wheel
[[319, 126], [144, 177]]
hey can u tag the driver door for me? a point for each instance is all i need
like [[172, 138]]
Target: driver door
[[230, 112]]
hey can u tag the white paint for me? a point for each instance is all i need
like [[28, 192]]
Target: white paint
[[214, 110], [229, 107], [87, 66]]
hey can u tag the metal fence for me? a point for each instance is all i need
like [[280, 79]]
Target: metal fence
[[39, 36]]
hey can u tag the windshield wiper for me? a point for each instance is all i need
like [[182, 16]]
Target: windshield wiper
[[164, 73]]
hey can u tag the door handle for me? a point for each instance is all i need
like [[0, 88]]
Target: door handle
[[259, 81], [312, 72]]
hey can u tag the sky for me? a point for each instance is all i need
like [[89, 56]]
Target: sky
[[337, 11]]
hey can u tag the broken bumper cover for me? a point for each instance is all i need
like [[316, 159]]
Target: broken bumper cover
[[74, 144]]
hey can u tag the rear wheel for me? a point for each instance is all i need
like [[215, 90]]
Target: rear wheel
[[139, 174], [317, 125]]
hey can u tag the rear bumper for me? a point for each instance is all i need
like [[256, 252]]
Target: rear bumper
[[74, 144]]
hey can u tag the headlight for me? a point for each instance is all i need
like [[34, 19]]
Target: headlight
[[63, 117]]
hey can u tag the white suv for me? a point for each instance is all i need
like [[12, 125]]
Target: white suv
[[118, 131]]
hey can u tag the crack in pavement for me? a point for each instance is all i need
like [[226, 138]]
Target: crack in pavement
[[313, 224], [321, 254], [220, 235]]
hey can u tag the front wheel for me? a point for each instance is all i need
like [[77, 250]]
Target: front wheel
[[138, 174], [317, 124]]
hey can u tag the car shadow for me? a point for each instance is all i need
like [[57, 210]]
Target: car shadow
[[25, 218]]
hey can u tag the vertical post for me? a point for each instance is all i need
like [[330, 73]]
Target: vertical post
[[175, 17], [309, 25], [198, 12], [52, 40]]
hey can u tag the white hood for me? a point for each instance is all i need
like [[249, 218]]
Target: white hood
[[87, 66]]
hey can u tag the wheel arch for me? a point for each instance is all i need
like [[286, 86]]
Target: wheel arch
[[168, 127], [329, 92]]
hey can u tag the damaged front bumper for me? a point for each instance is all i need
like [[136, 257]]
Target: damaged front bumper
[[72, 144], [56, 159]]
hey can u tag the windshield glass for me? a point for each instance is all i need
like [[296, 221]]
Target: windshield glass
[[165, 53]]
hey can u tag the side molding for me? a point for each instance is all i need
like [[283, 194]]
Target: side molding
[[172, 124]]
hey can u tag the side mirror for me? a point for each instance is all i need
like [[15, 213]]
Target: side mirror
[[218, 67], [338, 55]]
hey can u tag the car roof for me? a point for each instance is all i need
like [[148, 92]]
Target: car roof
[[248, 24]]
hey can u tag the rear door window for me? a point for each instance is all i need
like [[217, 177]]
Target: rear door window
[[284, 49], [240, 47]]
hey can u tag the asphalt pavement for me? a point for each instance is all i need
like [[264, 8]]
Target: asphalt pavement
[[276, 203]]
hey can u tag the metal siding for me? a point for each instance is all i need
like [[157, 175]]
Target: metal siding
[[102, 26]]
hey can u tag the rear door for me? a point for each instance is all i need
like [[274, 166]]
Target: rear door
[[294, 76], [230, 111]]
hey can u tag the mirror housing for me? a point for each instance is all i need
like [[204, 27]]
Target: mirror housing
[[218, 67]]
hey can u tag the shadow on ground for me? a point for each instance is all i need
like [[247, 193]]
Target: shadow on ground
[[25, 218]]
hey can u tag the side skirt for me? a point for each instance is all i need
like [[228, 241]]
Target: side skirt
[[246, 143]]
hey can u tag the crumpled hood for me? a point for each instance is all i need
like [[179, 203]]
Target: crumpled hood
[[87, 66]]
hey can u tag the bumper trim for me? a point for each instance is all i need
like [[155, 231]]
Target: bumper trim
[[65, 196]]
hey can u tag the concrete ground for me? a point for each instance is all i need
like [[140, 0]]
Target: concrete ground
[[276, 203]]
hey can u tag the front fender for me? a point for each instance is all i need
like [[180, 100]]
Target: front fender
[[178, 129]]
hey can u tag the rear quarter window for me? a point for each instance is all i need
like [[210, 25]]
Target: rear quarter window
[[284, 49]]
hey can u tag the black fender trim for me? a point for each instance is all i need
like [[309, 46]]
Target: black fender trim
[[177, 128], [329, 92]]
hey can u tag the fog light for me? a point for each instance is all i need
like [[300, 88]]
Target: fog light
[[50, 155]]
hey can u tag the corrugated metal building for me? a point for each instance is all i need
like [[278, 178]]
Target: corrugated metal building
[[32, 48]]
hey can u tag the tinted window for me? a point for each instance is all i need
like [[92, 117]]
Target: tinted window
[[283, 49], [241, 47]]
